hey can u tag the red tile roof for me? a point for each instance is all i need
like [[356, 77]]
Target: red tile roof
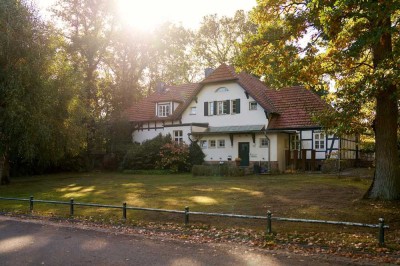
[[291, 107], [296, 106], [221, 74], [145, 110], [257, 90]]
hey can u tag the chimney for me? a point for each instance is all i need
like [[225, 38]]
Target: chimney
[[160, 87], [208, 71]]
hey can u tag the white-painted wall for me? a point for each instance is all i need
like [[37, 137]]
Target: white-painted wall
[[257, 153], [146, 134], [235, 91]]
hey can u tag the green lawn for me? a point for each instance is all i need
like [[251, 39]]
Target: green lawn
[[306, 196], [311, 196]]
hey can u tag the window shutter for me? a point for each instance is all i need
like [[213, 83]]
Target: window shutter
[[227, 107], [238, 106], [215, 107], [205, 108]]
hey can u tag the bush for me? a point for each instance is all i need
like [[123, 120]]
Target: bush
[[217, 170], [174, 156], [146, 155], [196, 154], [332, 165], [147, 172]]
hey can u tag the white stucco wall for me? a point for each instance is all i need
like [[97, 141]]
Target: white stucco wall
[[146, 134], [257, 153], [235, 91]]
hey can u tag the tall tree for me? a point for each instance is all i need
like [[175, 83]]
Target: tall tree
[[356, 43], [170, 56], [88, 27], [217, 40], [35, 96]]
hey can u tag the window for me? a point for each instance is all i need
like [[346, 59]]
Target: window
[[211, 143], [220, 107], [252, 105], [203, 144], [319, 141], [236, 106], [193, 110], [164, 110], [208, 108], [222, 89], [223, 107], [221, 143], [178, 136], [295, 142], [264, 143]]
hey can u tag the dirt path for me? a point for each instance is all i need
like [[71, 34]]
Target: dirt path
[[42, 242]]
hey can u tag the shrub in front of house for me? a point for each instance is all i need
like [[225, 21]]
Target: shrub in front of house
[[145, 156], [332, 165], [196, 154], [174, 156], [217, 170]]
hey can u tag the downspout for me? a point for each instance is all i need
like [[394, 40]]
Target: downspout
[[269, 151]]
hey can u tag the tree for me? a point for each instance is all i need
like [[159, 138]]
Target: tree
[[88, 26], [170, 56], [36, 99], [356, 43], [128, 60], [216, 41]]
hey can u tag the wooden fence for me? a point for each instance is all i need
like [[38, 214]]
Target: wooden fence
[[186, 212]]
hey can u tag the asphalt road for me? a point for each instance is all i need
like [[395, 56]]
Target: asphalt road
[[37, 242]]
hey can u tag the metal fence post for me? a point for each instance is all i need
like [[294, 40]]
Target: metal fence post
[[124, 210], [186, 215], [71, 207], [381, 231], [269, 224], [31, 203]]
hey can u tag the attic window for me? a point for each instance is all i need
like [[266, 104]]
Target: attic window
[[222, 89], [163, 109], [252, 105]]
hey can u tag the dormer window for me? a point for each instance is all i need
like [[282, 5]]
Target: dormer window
[[163, 109]]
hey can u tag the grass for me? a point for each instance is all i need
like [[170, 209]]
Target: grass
[[308, 196]]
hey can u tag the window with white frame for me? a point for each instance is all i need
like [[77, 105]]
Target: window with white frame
[[203, 144], [163, 109], [193, 110], [264, 143], [178, 136], [222, 107], [253, 105], [295, 142], [319, 141], [235, 106], [211, 143], [221, 143], [211, 108]]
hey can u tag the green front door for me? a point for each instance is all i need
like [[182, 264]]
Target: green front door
[[244, 151]]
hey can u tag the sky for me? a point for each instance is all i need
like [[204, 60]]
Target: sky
[[147, 14]]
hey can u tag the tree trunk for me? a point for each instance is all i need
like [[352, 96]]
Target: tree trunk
[[386, 183], [5, 170]]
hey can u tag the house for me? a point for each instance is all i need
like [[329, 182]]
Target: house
[[234, 115]]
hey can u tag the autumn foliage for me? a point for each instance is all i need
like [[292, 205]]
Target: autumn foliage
[[174, 156]]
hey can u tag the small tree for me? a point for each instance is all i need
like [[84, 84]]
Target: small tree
[[196, 154]]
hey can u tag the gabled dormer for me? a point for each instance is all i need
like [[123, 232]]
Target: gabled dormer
[[166, 108]]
